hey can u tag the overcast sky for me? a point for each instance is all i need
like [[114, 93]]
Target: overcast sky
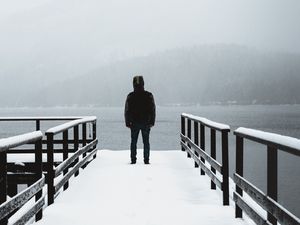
[[90, 32]]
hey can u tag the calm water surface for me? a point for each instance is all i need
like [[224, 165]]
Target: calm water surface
[[114, 135]]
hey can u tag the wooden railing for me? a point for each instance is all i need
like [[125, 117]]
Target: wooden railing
[[40, 122], [76, 146], [86, 151], [11, 206], [194, 150], [268, 201]]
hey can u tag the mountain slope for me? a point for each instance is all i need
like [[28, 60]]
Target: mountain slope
[[205, 74]]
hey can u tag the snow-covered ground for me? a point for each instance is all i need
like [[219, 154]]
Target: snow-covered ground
[[110, 191]]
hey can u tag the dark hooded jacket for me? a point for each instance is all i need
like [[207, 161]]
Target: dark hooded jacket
[[140, 108]]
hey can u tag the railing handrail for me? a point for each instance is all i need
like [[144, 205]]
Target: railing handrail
[[45, 118], [61, 128], [281, 142], [15, 141], [207, 122]]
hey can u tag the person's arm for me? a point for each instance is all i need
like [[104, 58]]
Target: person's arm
[[126, 113], [153, 111]]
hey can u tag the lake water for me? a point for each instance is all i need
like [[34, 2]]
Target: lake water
[[281, 119]]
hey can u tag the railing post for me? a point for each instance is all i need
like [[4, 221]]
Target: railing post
[[76, 145], [95, 134], [3, 182], [239, 170], [182, 130], [66, 154], [189, 134], [84, 141], [196, 139], [50, 169], [213, 153], [37, 125], [202, 143], [272, 177], [225, 168], [39, 173], [84, 137]]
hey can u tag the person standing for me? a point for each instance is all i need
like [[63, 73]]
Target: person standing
[[139, 116]]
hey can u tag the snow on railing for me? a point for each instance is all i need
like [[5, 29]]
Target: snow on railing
[[68, 125], [289, 144], [206, 122], [34, 118], [15, 141]]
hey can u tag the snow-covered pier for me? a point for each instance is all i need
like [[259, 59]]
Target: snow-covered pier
[[171, 190], [168, 191]]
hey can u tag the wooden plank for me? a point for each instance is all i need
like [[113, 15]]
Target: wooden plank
[[196, 139], [21, 198], [59, 169], [182, 129], [213, 154], [272, 178], [202, 144], [225, 168], [84, 142], [189, 133], [15, 141], [249, 211], [279, 212], [39, 173], [203, 167], [215, 164], [21, 178], [74, 170], [3, 184], [95, 134], [76, 144], [70, 141], [71, 124], [31, 212], [31, 151], [50, 170], [41, 118], [28, 168], [239, 164], [65, 154]]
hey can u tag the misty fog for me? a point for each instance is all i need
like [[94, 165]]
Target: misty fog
[[49, 45]]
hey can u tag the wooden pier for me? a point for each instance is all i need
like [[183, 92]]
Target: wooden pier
[[111, 186]]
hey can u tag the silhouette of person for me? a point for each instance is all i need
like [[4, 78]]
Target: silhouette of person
[[139, 116]]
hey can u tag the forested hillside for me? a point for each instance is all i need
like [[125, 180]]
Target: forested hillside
[[219, 74]]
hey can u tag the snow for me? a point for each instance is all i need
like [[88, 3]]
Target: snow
[[110, 191], [70, 124], [218, 126], [277, 139], [15, 141]]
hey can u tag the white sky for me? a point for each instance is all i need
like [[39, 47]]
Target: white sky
[[94, 31]]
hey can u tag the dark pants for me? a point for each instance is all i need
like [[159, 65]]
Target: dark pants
[[135, 129]]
